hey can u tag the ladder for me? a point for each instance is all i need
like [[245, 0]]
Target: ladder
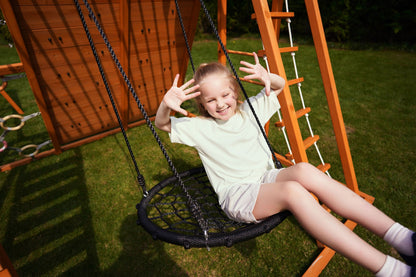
[[269, 20]]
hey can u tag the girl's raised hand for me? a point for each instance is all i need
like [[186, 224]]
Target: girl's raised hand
[[256, 71], [177, 95]]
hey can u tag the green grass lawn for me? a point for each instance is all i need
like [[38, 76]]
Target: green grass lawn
[[74, 213]]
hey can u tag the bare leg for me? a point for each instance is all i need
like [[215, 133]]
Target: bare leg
[[338, 197], [292, 192]]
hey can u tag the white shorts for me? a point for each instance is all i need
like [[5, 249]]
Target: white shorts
[[240, 199]]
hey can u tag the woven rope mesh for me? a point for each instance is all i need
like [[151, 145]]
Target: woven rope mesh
[[168, 208]]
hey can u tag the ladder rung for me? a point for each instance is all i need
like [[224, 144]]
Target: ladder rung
[[307, 143], [260, 53], [324, 167], [251, 82], [276, 15], [310, 141], [295, 81], [299, 114], [289, 156], [289, 49], [241, 53], [290, 82], [283, 160]]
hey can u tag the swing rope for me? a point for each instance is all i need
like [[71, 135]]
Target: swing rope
[[299, 87], [140, 177], [276, 161], [188, 48], [193, 205], [174, 209]]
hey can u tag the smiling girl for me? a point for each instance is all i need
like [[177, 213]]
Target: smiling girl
[[240, 168]]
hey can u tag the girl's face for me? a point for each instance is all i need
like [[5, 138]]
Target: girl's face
[[218, 96]]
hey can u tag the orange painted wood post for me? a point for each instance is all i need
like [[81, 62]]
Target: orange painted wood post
[[324, 61], [9, 99], [274, 58], [277, 6], [190, 32], [13, 26], [7, 69], [222, 28], [6, 266]]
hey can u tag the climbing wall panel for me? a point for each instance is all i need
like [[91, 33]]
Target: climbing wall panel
[[145, 35]]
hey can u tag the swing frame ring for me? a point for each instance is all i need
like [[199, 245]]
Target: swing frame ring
[[31, 155], [4, 147], [15, 128]]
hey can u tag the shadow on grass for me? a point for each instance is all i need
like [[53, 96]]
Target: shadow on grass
[[49, 230], [48, 226], [141, 255]]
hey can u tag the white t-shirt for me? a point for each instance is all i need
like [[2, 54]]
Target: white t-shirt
[[233, 151]]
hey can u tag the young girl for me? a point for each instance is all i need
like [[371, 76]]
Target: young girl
[[239, 166]]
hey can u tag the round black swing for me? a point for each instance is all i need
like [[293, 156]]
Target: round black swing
[[183, 209], [164, 214]]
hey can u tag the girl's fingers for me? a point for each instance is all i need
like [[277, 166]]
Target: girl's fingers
[[175, 81], [192, 95], [191, 89], [246, 64], [182, 111], [250, 77], [187, 84], [256, 58]]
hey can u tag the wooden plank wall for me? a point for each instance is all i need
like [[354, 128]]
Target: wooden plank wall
[[148, 41]]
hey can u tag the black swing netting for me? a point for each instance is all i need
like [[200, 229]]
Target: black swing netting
[[182, 209], [165, 214]]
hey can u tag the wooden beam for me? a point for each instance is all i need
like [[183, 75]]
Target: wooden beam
[[328, 79], [7, 69], [271, 47], [16, 34], [222, 29]]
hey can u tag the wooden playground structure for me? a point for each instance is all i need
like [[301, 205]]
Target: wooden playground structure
[[148, 41]]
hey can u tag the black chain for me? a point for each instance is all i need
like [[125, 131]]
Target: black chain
[[194, 206], [139, 175], [188, 48], [276, 161]]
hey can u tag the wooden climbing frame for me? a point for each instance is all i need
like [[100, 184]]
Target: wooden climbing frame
[[269, 20], [148, 41], [7, 70], [63, 74]]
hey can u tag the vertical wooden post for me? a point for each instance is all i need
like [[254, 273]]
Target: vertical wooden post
[[277, 6], [190, 32], [321, 47], [222, 28], [13, 26], [124, 59], [274, 58]]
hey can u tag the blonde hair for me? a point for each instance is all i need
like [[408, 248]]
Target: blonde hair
[[207, 69]]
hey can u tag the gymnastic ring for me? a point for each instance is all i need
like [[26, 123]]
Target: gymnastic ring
[[31, 155], [18, 127], [4, 146]]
